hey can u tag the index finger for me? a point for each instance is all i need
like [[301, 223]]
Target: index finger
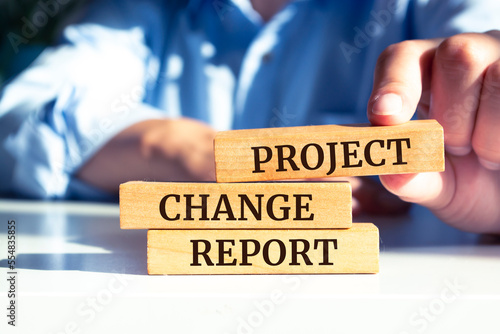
[[401, 74]]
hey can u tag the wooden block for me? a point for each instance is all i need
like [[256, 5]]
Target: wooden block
[[328, 150], [166, 205], [209, 252]]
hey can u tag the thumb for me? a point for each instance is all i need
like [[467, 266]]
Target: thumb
[[433, 190]]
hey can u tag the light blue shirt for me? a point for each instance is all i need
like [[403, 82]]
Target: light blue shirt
[[128, 61]]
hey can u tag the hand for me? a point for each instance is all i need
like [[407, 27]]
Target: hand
[[457, 82], [160, 150], [369, 197]]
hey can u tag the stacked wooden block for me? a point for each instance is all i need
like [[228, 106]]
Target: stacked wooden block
[[277, 227]]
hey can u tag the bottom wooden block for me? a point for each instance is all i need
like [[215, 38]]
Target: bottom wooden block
[[315, 251]]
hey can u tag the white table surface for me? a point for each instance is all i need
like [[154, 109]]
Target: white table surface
[[79, 273]]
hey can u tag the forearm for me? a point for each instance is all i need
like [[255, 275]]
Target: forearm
[[159, 150]]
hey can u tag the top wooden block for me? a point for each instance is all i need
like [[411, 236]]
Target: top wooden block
[[328, 151]]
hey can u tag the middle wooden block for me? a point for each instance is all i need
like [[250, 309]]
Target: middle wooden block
[[276, 205]]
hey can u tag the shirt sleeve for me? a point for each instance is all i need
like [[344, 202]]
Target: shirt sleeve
[[444, 18], [78, 95]]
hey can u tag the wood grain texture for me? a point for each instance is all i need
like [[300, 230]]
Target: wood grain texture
[[354, 250], [143, 205], [261, 154]]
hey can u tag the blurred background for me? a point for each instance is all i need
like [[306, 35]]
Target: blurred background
[[27, 27]]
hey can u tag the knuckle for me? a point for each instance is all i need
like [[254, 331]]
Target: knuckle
[[460, 53]]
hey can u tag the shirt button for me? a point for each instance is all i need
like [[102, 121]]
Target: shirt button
[[267, 57]]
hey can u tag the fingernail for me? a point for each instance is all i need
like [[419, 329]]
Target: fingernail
[[388, 104], [489, 164], [458, 150]]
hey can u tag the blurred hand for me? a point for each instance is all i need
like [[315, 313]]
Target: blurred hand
[[369, 196], [160, 150], [457, 82]]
